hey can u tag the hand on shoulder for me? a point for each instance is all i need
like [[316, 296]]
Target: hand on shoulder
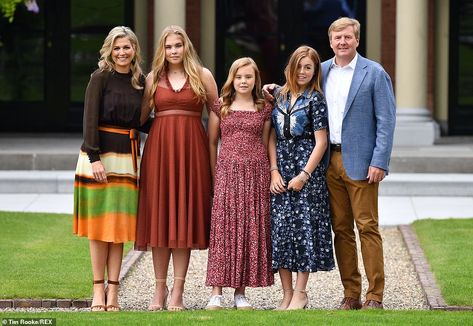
[[268, 91], [149, 79]]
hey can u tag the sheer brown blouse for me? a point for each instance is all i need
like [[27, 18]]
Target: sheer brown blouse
[[111, 100]]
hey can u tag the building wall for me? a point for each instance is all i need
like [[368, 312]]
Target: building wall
[[141, 28], [208, 33], [168, 13], [388, 37], [373, 30], [381, 47]]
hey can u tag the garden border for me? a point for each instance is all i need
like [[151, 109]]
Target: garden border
[[427, 280], [128, 262]]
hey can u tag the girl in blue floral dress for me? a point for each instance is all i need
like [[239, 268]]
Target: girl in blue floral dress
[[300, 216]]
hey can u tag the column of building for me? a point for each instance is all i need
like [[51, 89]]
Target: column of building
[[168, 13], [415, 126]]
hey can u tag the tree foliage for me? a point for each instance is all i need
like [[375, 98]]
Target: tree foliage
[[8, 7]]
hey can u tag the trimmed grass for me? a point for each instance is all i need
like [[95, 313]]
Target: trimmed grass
[[41, 258], [448, 246], [232, 317]]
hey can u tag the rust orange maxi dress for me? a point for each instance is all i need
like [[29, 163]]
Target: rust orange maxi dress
[[174, 195]]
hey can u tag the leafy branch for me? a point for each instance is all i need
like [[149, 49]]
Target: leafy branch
[[8, 7]]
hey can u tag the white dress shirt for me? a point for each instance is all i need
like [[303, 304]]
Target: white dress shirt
[[336, 93]]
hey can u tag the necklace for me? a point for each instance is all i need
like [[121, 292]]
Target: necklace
[[177, 71], [175, 90]]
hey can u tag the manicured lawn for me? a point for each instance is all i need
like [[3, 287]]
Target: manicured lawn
[[448, 246], [41, 258], [232, 317]]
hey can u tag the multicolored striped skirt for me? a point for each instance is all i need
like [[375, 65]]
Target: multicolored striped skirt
[[106, 211]]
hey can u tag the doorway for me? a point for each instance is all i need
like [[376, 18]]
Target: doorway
[[460, 112], [272, 30], [46, 60]]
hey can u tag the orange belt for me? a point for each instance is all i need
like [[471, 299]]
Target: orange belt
[[177, 112], [134, 140]]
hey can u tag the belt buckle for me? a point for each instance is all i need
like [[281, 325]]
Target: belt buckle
[[336, 147]]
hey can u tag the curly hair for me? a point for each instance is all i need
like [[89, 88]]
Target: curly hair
[[106, 61]]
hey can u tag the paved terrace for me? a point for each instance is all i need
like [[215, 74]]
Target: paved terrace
[[37, 171]]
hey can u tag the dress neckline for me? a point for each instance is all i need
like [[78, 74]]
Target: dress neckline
[[254, 111], [123, 74], [178, 90]]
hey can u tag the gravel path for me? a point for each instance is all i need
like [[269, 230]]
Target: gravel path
[[402, 290]]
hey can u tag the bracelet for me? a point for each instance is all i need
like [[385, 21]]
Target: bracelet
[[274, 168], [306, 173], [301, 179]]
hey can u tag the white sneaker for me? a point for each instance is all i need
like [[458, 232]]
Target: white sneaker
[[241, 302], [215, 302]]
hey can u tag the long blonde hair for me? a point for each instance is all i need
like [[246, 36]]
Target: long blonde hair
[[106, 61], [228, 91], [191, 62], [290, 72]]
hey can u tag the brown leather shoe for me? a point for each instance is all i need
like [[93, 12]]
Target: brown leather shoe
[[350, 304], [372, 304]]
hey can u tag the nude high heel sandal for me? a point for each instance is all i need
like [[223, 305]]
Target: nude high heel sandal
[[290, 291], [177, 308], [157, 307], [301, 305]]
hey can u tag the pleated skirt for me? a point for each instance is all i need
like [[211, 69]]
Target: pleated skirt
[[174, 197]]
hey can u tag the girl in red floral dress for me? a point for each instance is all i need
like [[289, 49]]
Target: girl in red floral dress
[[240, 245]]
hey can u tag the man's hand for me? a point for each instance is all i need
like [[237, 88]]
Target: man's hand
[[375, 174], [268, 91]]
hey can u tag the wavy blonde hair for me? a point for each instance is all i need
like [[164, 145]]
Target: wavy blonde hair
[[290, 72], [191, 62], [228, 91], [106, 61]]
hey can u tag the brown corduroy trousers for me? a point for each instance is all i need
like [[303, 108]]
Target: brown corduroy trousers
[[353, 201]]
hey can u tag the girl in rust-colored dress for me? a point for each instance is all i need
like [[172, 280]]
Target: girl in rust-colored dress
[[174, 197]]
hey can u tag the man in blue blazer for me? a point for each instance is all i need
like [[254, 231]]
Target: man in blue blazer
[[362, 115]]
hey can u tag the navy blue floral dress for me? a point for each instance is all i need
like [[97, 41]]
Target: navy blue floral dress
[[300, 221]]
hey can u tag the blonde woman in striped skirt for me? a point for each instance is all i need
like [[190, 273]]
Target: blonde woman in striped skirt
[[106, 180]]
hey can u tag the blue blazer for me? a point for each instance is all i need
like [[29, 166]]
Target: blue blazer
[[368, 120]]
